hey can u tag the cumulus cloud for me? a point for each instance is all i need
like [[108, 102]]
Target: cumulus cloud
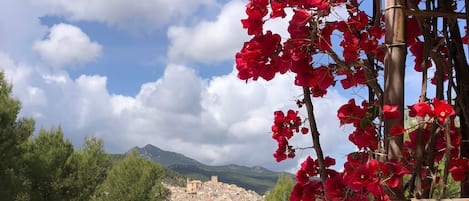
[[177, 92], [217, 121], [131, 15], [217, 40], [209, 41], [67, 45], [21, 75]]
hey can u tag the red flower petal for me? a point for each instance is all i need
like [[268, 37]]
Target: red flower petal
[[397, 130], [391, 112]]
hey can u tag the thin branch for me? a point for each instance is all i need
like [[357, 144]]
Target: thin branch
[[447, 160], [315, 133], [369, 73]]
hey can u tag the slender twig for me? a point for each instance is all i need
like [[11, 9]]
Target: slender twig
[[447, 160], [314, 133]]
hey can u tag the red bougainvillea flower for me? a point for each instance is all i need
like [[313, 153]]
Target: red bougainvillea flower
[[328, 161], [391, 112], [412, 112], [354, 160], [309, 166], [412, 31], [335, 188], [282, 130], [417, 50], [457, 167], [397, 130], [365, 176], [279, 117], [308, 192], [353, 78], [278, 9], [422, 109], [302, 177], [254, 59], [376, 32], [323, 78], [308, 186], [297, 27], [296, 50], [351, 47], [367, 44], [256, 10], [319, 4], [391, 172], [312, 191], [442, 110], [359, 21], [297, 192], [364, 138], [280, 153], [350, 113], [304, 72], [318, 92], [324, 41]]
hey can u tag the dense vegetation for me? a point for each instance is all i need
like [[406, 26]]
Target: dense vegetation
[[45, 167], [281, 190]]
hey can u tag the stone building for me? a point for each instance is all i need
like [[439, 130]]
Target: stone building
[[192, 186], [212, 190]]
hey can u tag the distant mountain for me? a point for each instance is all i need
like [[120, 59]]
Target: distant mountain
[[165, 158], [256, 178]]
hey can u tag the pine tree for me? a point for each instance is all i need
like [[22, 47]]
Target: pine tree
[[86, 169], [134, 178], [13, 133], [46, 158]]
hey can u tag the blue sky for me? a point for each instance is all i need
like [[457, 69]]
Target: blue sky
[[137, 72], [129, 57]]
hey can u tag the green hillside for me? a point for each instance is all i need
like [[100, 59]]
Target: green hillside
[[257, 178]]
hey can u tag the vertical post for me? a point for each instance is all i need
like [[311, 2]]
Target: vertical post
[[394, 71], [464, 147]]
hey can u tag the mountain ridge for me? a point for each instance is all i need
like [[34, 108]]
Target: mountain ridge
[[256, 178], [165, 158]]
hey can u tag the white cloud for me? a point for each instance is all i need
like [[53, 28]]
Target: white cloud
[[177, 92], [19, 28], [209, 41], [218, 40], [67, 45], [49, 79], [128, 14], [217, 121]]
